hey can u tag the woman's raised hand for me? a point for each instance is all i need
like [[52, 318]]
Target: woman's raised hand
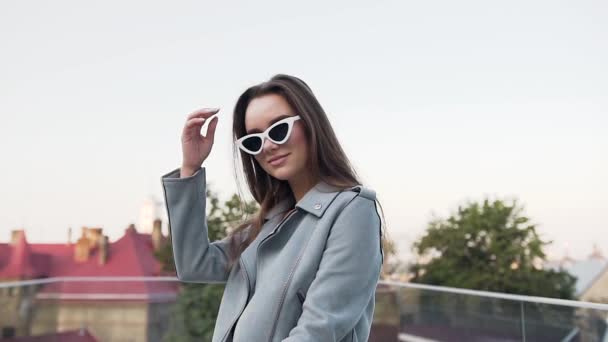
[[195, 146]]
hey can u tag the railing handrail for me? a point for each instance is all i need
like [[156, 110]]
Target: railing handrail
[[84, 279], [500, 295], [454, 290]]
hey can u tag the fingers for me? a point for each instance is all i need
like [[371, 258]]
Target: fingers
[[211, 127], [203, 113], [195, 122], [198, 122]]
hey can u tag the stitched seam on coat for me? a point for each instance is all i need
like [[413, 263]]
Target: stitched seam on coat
[[257, 251], [379, 232], [295, 266], [352, 199], [243, 308], [339, 215], [285, 287], [198, 199]]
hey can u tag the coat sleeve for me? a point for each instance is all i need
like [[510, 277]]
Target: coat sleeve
[[196, 259], [346, 280]]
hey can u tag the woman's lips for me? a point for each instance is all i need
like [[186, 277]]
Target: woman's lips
[[279, 161]]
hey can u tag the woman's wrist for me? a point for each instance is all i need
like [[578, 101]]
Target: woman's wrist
[[186, 172]]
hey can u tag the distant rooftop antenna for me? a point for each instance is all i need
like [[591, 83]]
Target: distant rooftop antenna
[[597, 253], [149, 212]]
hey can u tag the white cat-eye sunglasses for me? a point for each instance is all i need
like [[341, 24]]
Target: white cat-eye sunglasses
[[278, 133]]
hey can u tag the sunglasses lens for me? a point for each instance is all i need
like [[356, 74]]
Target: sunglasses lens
[[279, 132], [253, 143]]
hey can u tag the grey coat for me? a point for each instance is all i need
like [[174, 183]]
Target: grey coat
[[313, 273]]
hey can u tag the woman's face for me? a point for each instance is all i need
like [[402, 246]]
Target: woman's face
[[262, 112]]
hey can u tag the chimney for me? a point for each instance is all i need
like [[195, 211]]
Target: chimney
[[81, 250], [130, 229], [157, 234], [92, 234], [103, 249], [15, 235], [89, 238]]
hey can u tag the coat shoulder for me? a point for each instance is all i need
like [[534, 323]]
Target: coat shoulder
[[364, 191]]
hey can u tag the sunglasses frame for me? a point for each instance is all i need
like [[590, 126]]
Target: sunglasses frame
[[265, 135]]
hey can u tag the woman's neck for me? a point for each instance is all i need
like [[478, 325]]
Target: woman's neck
[[301, 185]]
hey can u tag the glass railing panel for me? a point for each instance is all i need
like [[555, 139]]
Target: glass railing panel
[[133, 310], [551, 322], [443, 316], [415, 312], [146, 309], [16, 306]]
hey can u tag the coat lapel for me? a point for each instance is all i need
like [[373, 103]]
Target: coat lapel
[[315, 201]]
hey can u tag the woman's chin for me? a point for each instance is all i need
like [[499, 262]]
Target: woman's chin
[[281, 173]]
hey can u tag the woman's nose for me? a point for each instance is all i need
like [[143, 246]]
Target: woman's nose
[[269, 145]]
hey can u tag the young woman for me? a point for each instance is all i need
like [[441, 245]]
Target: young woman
[[306, 266]]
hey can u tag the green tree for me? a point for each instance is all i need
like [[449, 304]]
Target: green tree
[[195, 311], [490, 246], [391, 259]]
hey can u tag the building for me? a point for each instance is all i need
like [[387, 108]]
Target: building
[[596, 289], [591, 275], [81, 335], [150, 210], [101, 307]]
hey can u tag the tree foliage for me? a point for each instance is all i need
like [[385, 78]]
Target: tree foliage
[[195, 311], [490, 246]]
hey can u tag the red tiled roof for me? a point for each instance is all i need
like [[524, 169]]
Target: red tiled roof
[[129, 256], [19, 260]]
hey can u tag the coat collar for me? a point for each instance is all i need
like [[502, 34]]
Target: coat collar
[[315, 201]]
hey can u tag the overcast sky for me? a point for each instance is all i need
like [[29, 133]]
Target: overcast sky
[[435, 102]]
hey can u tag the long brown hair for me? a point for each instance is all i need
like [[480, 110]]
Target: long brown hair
[[328, 164]]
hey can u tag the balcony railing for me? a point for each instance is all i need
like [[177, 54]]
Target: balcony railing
[[142, 309], [436, 313]]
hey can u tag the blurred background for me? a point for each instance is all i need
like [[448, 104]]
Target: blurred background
[[440, 105]]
